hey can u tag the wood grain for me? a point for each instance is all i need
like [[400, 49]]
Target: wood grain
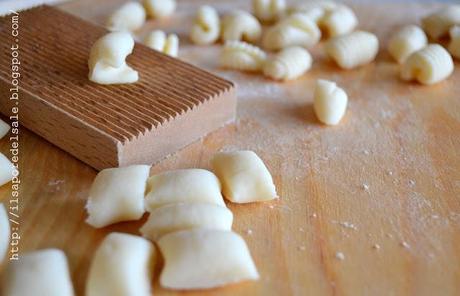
[[400, 139]]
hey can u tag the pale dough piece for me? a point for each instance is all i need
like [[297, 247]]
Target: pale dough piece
[[295, 30], [288, 64], [454, 45], [429, 65], [117, 195], [437, 24], [130, 17], [269, 10], [107, 59], [242, 56], [160, 8], [122, 265], [206, 27], [244, 177], [314, 9], [240, 25], [6, 170], [4, 128], [4, 233], [204, 258], [185, 185], [406, 41], [182, 216], [354, 49], [330, 102], [166, 44], [338, 21], [39, 273]]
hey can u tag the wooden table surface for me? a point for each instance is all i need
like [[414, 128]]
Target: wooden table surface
[[382, 188]]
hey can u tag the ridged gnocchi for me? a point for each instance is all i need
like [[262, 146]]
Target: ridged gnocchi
[[437, 24], [314, 9], [354, 49], [130, 17], [288, 64], [166, 44], [240, 25], [268, 10], [454, 45], [406, 41], [206, 27], [242, 56], [297, 29], [338, 21], [159, 8], [429, 65], [330, 102]]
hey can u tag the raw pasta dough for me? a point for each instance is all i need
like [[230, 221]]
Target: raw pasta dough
[[406, 41], [203, 258], [168, 45], [122, 265], [241, 25], [206, 28], [4, 233], [182, 216], [107, 63], [4, 128], [242, 56], [269, 10], [288, 64], [6, 170], [186, 185], [39, 273], [437, 24], [130, 16], [117, 195], [160, 8], [454, 45], [330, 102], [244, 177], [429, 65]]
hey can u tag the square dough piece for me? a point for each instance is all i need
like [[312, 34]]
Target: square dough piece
[[117, 195], [244, 177], [203, 258]]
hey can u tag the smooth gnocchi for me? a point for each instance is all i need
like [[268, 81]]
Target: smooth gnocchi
[[204, 258], [4, 128], [242, 56], [206, 27], [159, 8], [130, 17], [297, 29], [438, 24], [330, 102], [122, 265], [240, 25], [107, 59], [117, 194], [39, 273], [4, 233], [268, 10], [406, 41], [6, 170], [166, 44], [244, 177], [338, 21], [288, 64], [454, 45], [429, 65], [354, 49]]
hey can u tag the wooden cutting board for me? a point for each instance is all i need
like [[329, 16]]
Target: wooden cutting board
[[401, 141]]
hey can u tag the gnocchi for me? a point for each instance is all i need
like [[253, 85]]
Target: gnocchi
[[288, 64], [168, 45], [354, 49], [429, 65], [242, 56], [454, 45], [117, 195], [185, 185], [181, 216], [330, 102], [241, 26], [130, 17], [315, 10], [295, 30], [338, 21], [4, 233], [39, 273], [107, 63], [160, 8], [244, 177], [406, 41], [437, 24], [206, 28], [122, 265], [269, 10], [4, 128], [6, 170], [204, 258]]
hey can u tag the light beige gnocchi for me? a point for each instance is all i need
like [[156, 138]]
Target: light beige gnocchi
[[244, 177], [437, 24], [7, 170], [4, 128], [338, 21], [107, 59], [4, 233], [406, 41], [242, 56], [130, 17], [330, 102], [159, 8], [204, 258], [429, 65], [353, 50], [117, 195], [454, 45], [269, 10], [160, 42], [288, 64], [240, 25], [314, 9], [206, 27]]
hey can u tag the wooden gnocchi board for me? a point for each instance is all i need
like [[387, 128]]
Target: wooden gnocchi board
[[400, 236]]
